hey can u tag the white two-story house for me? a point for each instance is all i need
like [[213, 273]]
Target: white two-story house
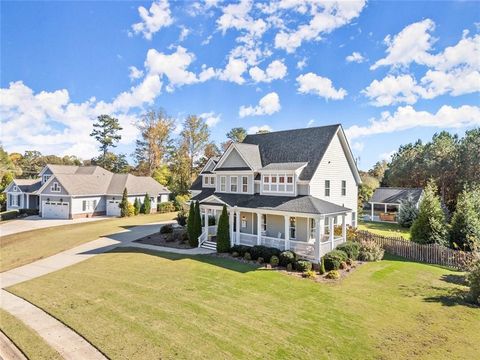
[[286, 189]]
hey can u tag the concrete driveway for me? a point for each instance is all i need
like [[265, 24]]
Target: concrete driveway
[[36, 222]]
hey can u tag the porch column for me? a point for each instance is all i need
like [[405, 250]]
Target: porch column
[[385, 208], [232, 238], [237, 235], [318, 254], [331, 231], [28, 201], [287, 232], [259, 231], [371, 218], [344, 228], [206, 223]]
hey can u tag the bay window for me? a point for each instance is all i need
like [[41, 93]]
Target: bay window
[[278, 183]]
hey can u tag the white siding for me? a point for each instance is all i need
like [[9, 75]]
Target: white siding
[[77, 205], [335, 167], [233, 160]]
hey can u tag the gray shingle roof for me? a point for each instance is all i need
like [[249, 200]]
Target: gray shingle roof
[[250, 153], [305, 204], [300, 145], [284, 166], [135, 185], [28, 185], [197, 184], [395, 195]]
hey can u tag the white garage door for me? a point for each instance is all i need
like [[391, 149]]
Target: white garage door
[[55, 210], [113, 207]]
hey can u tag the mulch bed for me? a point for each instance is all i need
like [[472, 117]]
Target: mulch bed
[[166, 240]]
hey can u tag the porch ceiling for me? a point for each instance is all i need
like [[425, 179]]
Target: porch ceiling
[[300, 204]]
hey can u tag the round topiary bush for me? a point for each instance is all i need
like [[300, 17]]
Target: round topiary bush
[[352, 249], [289, 267], [274, 261], [287, 257], [235, 254], [247, 256], [260, 260], [333, 259], [310, 274], [334, 274], [240, 249], [303, 265]]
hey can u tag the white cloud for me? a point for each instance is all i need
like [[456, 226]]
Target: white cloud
[[387, 156], [144, 93], [355, 57], [310, 123], [358, 146], [237, 16], [412, 44], [311, 83], [157, 17], [175, 67], [301, 64], [275, 70], [256, 129], [267, 105], [135, 73], [333, 14], [407, 118], [211, 118], [234, 71], [393, 90], [184, 32]]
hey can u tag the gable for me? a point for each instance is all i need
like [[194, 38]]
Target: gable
[[234, 160]]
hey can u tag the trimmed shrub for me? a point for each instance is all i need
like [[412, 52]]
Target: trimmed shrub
[[408, 212], [289, 267], [333, 275], [349, 262], [8, 215], [166, 229], [181, 218], [247, 256], [137, 206], [197, 225], [147, 205], [473, 279], [263, 251], [131, 209], [287, 257], [260, 260], [28, 212], [310, 274], [190, 223], [223, 232], [274, 261], [303, 265], [235, 254], [322, 267], [240, 249], [343, 265], [350, 248], [333, 259], [370, 251], [166, 207], [124, 204]]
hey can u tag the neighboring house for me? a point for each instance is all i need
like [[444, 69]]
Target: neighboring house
[[386, 202], [285, 189], [69, 192]]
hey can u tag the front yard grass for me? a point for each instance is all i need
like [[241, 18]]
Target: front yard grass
[[385, 229], [26, 247], [26, 339], [135, 304]]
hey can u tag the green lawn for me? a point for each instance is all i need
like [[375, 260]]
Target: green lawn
[[26, 339], [385, 229], [26, 247], [140, 305]]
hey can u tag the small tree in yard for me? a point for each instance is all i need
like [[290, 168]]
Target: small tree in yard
[[137, 206], [465, 230], [408, 212], [191, 224], [223, 232], [430, 225], [124, 204], [197, 224], [147, 205], [473, 279]]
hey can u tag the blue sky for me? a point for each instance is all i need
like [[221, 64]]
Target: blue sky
[[389, 72]]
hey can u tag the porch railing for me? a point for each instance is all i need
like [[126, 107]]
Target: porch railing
[[202, 238], [273, 242], [248, 239], [303, 249]]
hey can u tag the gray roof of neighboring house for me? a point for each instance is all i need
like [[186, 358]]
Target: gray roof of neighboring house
[[395, 195], [293, 146], [197, 184], [284, 166], [135, 185], [300, 204], [28, 185]]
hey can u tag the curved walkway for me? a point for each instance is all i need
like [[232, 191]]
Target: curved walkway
[[63, 339]]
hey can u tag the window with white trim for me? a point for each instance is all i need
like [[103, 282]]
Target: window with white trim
[[233, 184], [293, 227], [55, 187], [15, 188], [344, 187], [14, 200], [278, 183], [223, 183], [212, 180], [313, 228], [244, 184], [264, 222], [327, 187], [45, 178]]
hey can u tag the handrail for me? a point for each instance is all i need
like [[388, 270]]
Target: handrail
[[202, 238]]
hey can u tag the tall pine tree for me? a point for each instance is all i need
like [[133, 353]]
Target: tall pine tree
[[197, 224], [124, 204], [465, 230], [191, 224]]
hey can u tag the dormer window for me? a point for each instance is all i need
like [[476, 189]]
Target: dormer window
[[45, 178], [278, 183], [15, 188], [55, 187]]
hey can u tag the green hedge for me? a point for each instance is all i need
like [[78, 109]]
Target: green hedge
[[352, 249], [333, 259], [8, 215]]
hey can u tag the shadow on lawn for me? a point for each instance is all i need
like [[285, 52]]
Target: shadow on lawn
[[452, 297], [224, 263]]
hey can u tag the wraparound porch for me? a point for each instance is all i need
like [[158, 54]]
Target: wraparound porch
[[309, 235]]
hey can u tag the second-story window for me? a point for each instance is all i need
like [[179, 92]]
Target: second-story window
[[233, 183], [281, 183], [289, 183], [344, 187], [55, 187], [223, 183], [244, 184], [212, 180], [327, 187], [45, 178]]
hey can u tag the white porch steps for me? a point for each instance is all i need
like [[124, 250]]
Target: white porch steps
[[210, 245]]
